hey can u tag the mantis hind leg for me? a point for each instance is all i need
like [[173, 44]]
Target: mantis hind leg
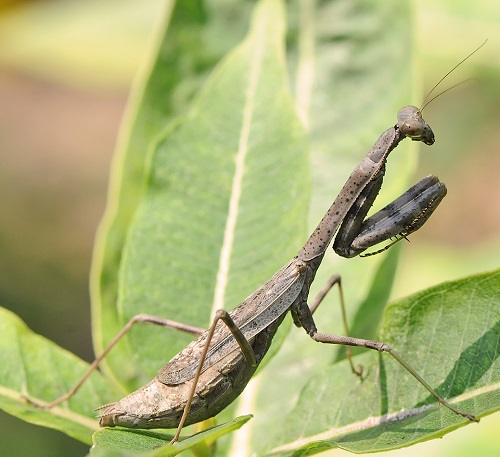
[[245, 347], [336, 280], [304, 316], [144, 318]]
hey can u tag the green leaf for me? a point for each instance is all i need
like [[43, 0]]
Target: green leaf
[[201, 238], [189, 45], [139, 443], [34, 366], [449, 333]]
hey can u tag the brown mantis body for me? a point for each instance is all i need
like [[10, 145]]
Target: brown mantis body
[[213, 370]]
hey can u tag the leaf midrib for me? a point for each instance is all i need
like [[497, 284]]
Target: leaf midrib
[[240, 160], [374, 421]]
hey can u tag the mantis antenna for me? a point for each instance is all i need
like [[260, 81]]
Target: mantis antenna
[[424, 104]]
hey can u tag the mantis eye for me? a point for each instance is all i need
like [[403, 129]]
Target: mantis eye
[[411, 124], [411, 128]]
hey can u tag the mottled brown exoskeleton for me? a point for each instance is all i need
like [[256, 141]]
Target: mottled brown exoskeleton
[[213, 370]]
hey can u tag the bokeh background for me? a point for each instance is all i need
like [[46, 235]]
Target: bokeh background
[[66, 68]]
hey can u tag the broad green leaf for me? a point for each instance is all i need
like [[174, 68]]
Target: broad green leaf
[[243, 117], [34, 366], [188, 47], [122, 442], [225, 198], [449, 333]]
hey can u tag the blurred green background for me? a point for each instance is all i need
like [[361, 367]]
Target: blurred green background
[[66, 68]]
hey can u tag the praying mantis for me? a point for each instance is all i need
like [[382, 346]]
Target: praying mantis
[[210, 373], [213, 370]]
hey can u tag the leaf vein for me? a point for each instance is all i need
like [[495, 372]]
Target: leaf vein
[[236, 189]]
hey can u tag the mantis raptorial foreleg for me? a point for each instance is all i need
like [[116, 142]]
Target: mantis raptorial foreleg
[[401, 217], [397, 220]]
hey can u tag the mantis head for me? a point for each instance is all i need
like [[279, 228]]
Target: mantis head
[[412, 124]]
